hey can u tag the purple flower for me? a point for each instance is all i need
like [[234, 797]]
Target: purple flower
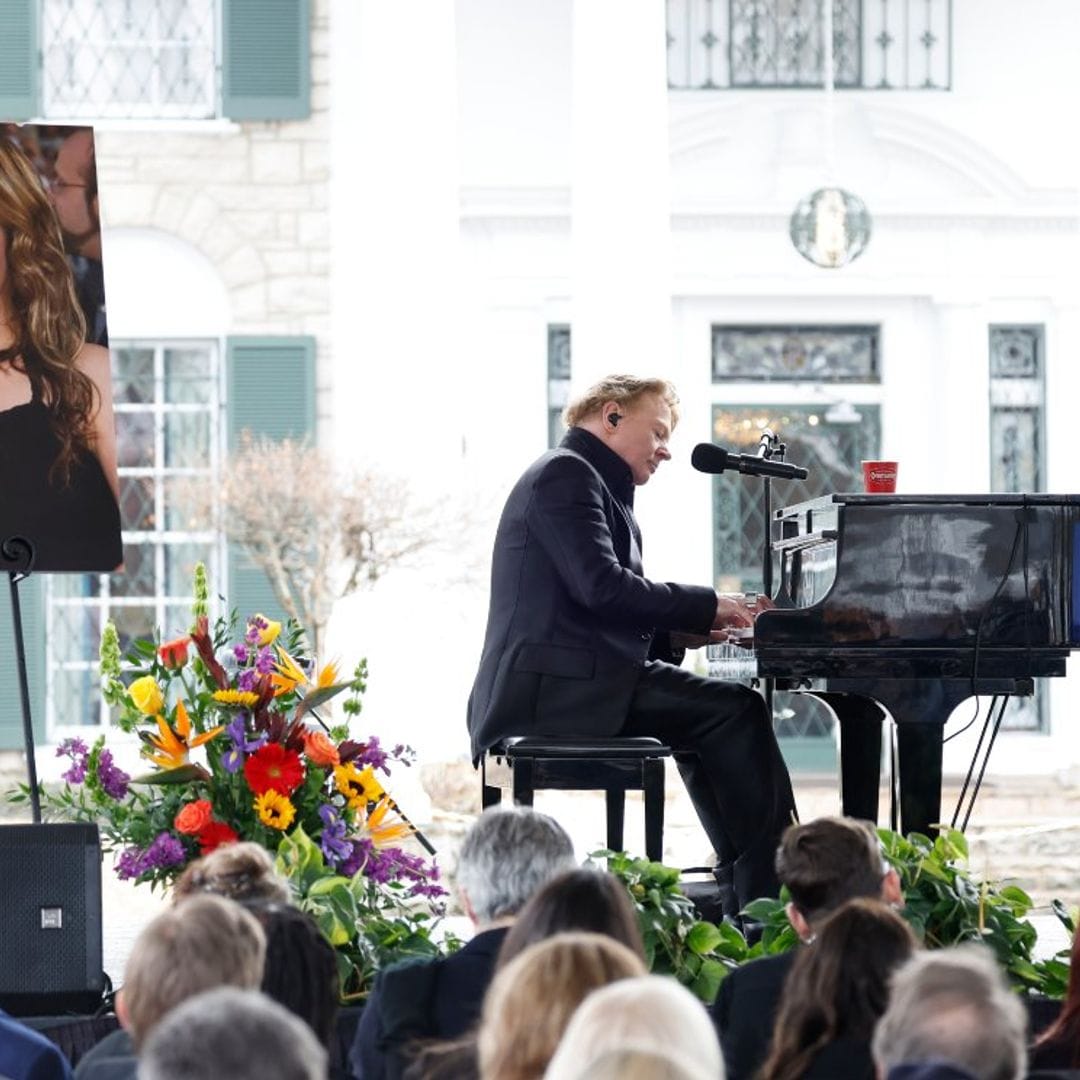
[[246, 679], [77, 751], [114, 781], [361, 850], [264, 661], [241, 653], [255, 627], [164, 851], [335, 847], [233, 759]]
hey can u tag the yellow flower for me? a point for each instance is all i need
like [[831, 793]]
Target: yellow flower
[[359, 786], [242, 698], [173, 743], [274, 810], [328, 676], [147, 695], [379, 830], [268, 632], [288, 675]]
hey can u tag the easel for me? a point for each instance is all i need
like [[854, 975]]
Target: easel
[[19, 553]]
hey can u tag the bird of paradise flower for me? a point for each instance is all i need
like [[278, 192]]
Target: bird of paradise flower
[[169, 748]]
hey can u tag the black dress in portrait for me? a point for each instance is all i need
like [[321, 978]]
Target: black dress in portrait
[[74, 526]]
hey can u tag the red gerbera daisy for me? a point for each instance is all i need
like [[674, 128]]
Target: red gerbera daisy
[[274, 767]]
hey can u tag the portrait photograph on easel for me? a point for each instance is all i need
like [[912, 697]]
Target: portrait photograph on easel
[[59, 492]]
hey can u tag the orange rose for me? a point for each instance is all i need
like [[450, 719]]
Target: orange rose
[[320, 750], [194, 817], [173, 654]]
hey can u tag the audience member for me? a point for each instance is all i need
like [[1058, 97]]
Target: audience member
[[583, 899], [653, 1013], [201, 944], [239, 1034], [242, 871], [823, 863], [301, 968], [951, 1007], [1059, 1046], [26, 1054], [530, 1000], [835, 994], [635, 1062], [505, 857]]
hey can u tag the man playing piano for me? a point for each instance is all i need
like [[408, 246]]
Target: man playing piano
[[580, 642]]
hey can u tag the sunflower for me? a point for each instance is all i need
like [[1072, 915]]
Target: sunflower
[[274, 810], [359, 786], [244, 699], [173, 743]]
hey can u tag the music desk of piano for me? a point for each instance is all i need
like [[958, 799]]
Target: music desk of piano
[[907, 605]]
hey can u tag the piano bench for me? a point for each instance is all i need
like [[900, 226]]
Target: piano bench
[[523, 764]]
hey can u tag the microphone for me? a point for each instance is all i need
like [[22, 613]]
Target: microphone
[[708, 458]]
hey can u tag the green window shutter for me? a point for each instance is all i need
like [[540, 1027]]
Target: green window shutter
[[19, 67], [266, 51], [271, 393], [31, 602]]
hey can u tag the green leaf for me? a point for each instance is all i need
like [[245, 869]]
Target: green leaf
[[182, 774], [703, 938], [706, 984]]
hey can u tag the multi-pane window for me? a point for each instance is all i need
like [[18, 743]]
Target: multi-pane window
[[167, 398], [130, 58], [795, 353], [741, 44], [1017, 419], [558, 368]]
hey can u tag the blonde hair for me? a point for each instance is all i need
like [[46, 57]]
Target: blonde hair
[[49, 326], [624, 390], [638, 1062], [242, 871], [652, 1013], [200, 944], [516, 1039]]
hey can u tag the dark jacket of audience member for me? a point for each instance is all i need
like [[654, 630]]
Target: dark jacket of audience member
[[823, 863], [837, 989], [26, 1054], [582, 900], [505, 857]]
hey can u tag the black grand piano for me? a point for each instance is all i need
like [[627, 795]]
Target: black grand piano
[[910, 604]]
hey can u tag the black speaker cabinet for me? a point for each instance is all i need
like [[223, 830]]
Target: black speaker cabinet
[[50, 919]]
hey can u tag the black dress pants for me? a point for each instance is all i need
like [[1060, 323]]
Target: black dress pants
[[724, 744]]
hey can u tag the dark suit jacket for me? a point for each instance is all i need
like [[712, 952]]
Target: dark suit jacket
[[572, 618], [27, 1055], [430, 999], [745, 1011]]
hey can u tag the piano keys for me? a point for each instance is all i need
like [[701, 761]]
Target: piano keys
[[906, 605]]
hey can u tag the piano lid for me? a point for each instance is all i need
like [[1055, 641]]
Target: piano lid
[[925, 571]]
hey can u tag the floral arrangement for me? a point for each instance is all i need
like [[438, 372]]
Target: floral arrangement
[[236, 749]]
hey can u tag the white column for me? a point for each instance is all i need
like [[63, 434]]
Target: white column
[[396, 244], [956, 420], [621, 234]]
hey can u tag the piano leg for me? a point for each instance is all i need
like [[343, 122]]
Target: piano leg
[[859, 719], [919, 749]]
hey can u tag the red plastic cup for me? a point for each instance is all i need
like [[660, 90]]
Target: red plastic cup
[[879, 476]]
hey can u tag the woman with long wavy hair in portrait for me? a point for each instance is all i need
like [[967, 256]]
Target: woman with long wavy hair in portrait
[[58, 469]]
